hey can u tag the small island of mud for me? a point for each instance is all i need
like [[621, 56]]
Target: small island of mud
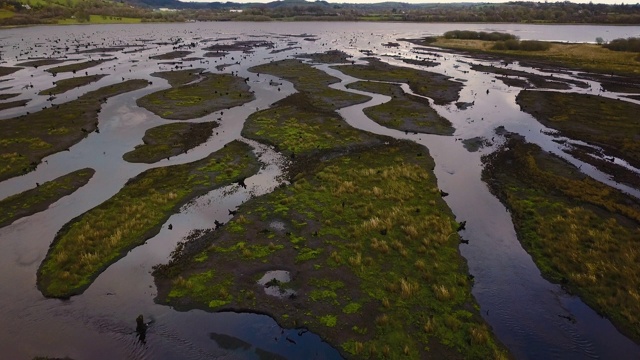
[[169, 140], [368, 244], [581, 233], [88, 244], [203, 95], [404, 112]]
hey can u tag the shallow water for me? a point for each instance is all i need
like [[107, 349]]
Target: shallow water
[[523, 309]]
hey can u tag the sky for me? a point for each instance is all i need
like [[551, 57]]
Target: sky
[[424, 1]]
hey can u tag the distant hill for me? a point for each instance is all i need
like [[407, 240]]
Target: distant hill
[[175, 4], [19, 12]]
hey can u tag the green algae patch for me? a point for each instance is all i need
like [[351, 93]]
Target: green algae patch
[[581, 233], [77, 66], [209, 93], [385, 260], [39, 198], [169, 140], [26, 139], [88, 244], [312, 82], [438, 87], [611, 124], [65, 85], [404, 112]]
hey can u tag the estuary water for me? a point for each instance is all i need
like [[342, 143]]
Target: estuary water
[[533, 318]]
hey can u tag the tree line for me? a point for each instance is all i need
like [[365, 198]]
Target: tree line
[[512, 12]]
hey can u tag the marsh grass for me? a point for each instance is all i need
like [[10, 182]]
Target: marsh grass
[[212, 92], [7, 70], [611, 124], [312, 82], [199, 286], [179, 77], [25, 140], [381, 269], [589, 57], [580, 232], [282, 126], [65, 85], [435, 86], [39, 198], [357, 216], [77, 66], [99, 237], [305, 123], [404, 111], [169, 140]]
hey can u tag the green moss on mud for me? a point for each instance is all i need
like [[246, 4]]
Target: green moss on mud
[[611, 124], [91, 242], [169, 140], [580, 232], [362, 228], [39, 198], [305, 123], [295, 128], [313, 83], [403, 112], [211, 93], [381, 236], [26, 139]]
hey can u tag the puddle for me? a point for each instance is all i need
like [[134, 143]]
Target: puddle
[[275, 283]]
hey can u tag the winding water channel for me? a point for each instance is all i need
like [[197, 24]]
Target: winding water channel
[[527, 313]]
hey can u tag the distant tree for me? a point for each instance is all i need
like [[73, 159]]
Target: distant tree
[[599, 40]]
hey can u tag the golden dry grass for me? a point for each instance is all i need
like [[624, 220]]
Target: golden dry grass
[[582, 56]]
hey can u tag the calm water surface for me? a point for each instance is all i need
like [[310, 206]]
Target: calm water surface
[[526, 312]]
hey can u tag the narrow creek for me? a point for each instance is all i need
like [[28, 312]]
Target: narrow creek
[[526, 312], [532, 317]]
